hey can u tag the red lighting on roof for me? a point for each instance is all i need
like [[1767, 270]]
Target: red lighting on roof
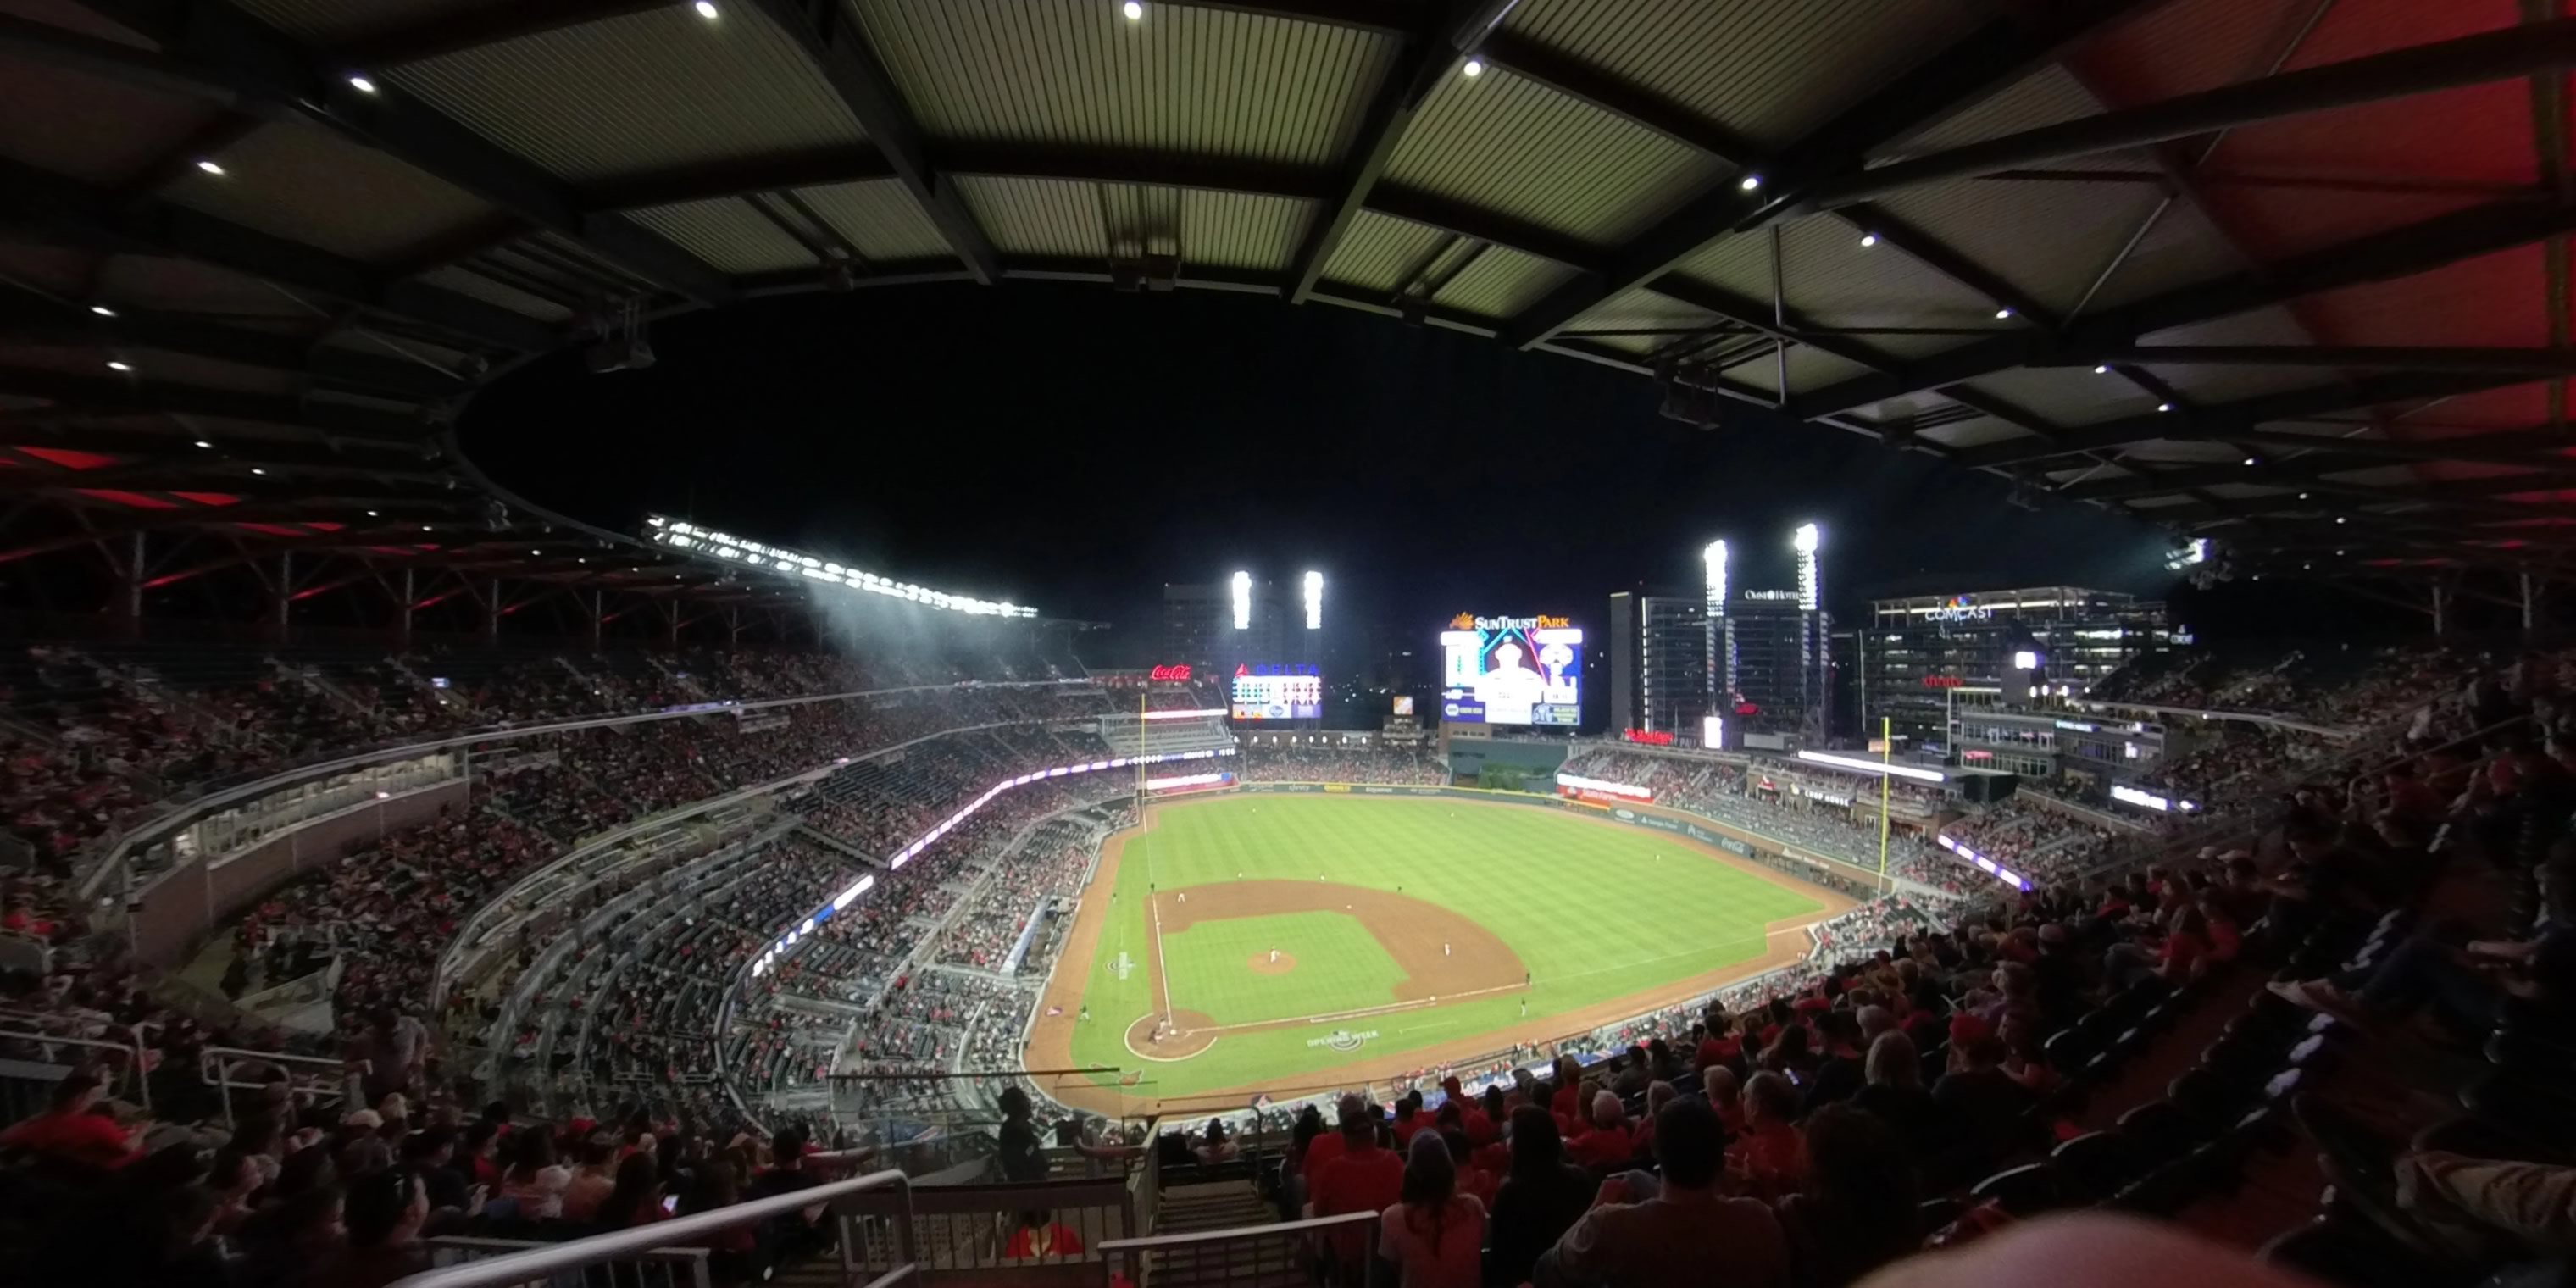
[[139, 500], [209, 498], [69, 458]]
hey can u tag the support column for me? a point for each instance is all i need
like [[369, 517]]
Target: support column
[[672, 609], [595, 622], [402, 628], [129, 600], [492, 614], [734, 617], [2441, 611], [285, 592], [2531, 590]]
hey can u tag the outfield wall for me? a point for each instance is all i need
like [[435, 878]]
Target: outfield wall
[[1846, 876]]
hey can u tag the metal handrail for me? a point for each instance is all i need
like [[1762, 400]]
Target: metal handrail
[[141, 1073], [540, 1263], [215, 1068], [1151, 1242]]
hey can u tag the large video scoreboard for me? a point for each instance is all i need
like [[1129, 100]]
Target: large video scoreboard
[[1277, 693], [1512, 671]]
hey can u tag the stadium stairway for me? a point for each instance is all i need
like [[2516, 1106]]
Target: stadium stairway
[[1226, 1201]]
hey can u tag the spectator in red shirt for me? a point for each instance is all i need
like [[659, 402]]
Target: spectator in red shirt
[[1040, 1236], [1721, 1046], [72, 1129], [1409, 1119], [1771, 1159], [1726, 1097], [1472, 1119], [1366, 1178], [1608, 1144], [1326, 1147]]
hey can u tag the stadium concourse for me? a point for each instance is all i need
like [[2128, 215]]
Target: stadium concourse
[[540, 1036]]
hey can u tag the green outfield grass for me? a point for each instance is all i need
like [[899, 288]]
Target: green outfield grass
[[1340, 967], [1596, 910]]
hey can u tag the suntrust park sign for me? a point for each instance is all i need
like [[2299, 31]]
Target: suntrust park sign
[[1467, 622]]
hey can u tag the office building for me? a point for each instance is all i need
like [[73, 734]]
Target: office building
[[1202, 628], [1925, 659], [1658, 662]]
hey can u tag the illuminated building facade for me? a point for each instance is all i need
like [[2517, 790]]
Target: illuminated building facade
[[1926, 660]]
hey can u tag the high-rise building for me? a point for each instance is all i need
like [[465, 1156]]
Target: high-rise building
[[1770, 666], [1778, 663], [1925, 658], [1658, 662]]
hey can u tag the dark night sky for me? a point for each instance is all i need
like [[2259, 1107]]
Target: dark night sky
[[1073, 448]]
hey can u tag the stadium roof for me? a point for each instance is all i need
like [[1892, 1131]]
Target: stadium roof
[[2287, 273]]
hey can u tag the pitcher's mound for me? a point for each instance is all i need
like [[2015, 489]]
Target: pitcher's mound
[[1185, 1036], [1262, 965]]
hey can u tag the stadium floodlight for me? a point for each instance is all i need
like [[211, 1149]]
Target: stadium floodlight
[[1242, 582], [1715, 558], [1314, 600], [1807, 540], [1873, 768], [700, 541], [2194, 551]]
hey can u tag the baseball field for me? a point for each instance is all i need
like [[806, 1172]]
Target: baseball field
[[1284, 943]]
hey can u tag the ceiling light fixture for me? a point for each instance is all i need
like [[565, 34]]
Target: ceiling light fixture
[[119, 364], [257, 470], [362, 84], [1133, 10], [204, 444], [1868, 240], [209, 166], [2001, 314], [371, 514], [2102, 369], [2250, 460], [1749, 182], [1472, 68], [2164, 406], [706, 9], [102, 310]]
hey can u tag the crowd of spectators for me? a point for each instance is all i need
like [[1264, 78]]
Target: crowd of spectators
[[1377, 763], [1733, 793]]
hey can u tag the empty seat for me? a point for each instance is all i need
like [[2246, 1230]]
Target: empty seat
[[2024, 1191], [2096, 1164]]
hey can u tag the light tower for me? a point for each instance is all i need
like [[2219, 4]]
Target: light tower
[[1314, 586], [1813, 626], [1720, 680]]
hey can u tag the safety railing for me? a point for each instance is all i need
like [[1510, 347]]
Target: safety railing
[[1337, 1249], [985, 1229], [310, 1080], [634, 1255], [126, 1073], [659, 1268]]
